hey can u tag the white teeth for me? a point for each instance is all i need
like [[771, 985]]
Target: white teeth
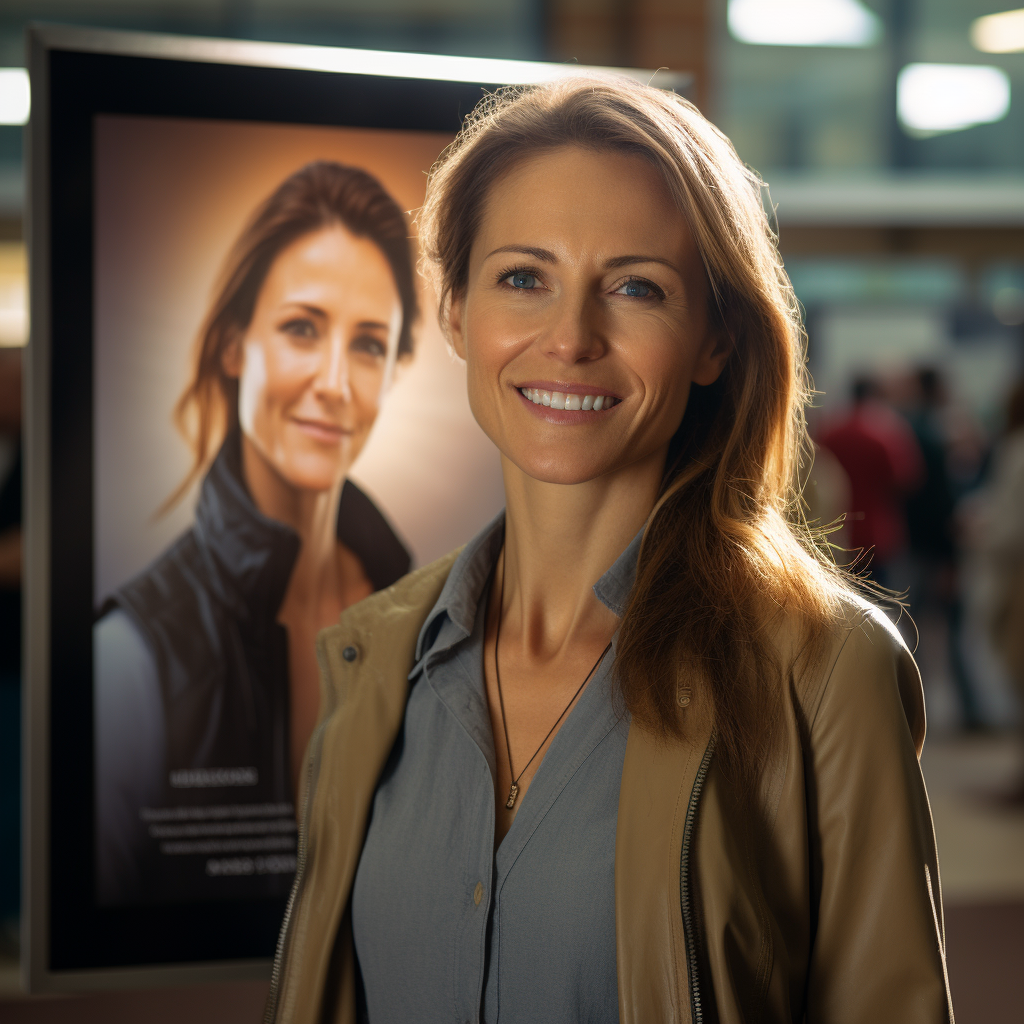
[[569, 402]]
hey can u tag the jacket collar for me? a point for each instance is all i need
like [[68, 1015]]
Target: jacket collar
[[250, 556]]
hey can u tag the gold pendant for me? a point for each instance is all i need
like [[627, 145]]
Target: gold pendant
[[512, 794]]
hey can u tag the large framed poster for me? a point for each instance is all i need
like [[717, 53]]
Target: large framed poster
[[243, 417]]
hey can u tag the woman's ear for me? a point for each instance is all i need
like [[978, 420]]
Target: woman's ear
[[713, 356], [456, 322], [231, 357]]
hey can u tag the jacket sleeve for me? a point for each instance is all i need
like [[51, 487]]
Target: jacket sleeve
[[879, 948]]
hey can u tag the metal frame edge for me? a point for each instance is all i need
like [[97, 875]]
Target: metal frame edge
[[36, 974], [36, 675], [299, 56]]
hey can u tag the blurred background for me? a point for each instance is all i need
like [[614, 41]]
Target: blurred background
[[891, 134]]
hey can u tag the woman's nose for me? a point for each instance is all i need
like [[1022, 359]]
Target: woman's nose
[[575, 333], [332, 382]]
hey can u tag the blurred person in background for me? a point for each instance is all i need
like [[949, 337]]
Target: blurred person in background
[[881, 457], [1001, 539], [931, 527], [10, 645]]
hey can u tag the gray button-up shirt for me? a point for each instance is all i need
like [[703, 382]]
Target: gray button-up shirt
[[446, 928]]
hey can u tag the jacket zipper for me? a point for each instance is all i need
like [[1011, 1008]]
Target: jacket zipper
[[685, 896], [312, 773]]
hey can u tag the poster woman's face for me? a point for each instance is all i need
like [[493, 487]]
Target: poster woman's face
[[312, 364]]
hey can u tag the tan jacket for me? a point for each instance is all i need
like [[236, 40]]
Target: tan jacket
[[817, 901]]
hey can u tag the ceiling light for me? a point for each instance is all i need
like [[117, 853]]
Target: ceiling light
[[803, 22], [999, 33], [14, 96], [933, 98]]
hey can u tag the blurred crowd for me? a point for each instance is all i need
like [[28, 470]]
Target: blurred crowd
[[932, 508]]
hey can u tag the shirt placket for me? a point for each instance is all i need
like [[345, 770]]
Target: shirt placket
[[469, 950]]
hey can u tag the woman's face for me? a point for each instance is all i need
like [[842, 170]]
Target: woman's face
[[313, 362], [585, 290]]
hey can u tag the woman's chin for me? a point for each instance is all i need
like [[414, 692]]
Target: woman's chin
[[314, 474], [563, 469]]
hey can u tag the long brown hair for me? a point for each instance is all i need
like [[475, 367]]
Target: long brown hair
[[319, 195], [727, 547]]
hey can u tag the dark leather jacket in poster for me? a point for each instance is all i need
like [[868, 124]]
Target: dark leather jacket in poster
[[224, 824]]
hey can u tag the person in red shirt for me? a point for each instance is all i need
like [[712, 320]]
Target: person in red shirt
[[881, 456]]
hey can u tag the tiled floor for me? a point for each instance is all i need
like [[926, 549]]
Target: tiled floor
[[985, 951], [981, 842], [981, 860]]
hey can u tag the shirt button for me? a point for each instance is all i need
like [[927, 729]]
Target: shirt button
[[478, 893], [350, 653]]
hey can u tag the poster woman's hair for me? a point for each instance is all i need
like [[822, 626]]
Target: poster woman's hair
[[320, 195], [727, 548]]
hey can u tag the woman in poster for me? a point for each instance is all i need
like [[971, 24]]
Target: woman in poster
[[206, 678], [638, 752]]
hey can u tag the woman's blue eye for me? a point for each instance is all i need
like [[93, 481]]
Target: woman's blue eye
[[523, 280], [300, 327], [637, 290], [370, 345]]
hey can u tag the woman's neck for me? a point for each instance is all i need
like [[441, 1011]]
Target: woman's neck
[[559, 540], [313, 515]]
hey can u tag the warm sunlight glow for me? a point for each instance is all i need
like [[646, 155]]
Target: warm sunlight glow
[[13, 295], [999, 33]]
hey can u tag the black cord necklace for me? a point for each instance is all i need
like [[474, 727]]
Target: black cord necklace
[[514, 791]]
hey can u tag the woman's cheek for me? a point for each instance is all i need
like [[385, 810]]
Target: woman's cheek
[[367, 386], [252, 386], [293, 370]]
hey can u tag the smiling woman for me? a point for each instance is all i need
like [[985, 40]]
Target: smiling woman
[[638, 752], [206, 672]]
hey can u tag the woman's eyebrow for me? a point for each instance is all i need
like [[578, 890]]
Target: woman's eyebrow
[[625, 261], [309, 308], [545, 255], [378, 324]]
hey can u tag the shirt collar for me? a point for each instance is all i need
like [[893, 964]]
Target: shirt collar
[[614, 587], [464, 588], [454, 613]]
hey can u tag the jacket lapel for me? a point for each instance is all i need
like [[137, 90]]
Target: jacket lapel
[[364, 665], [658, 778]]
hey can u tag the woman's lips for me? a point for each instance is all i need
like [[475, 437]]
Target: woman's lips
[[570, 398], [320, 430]]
